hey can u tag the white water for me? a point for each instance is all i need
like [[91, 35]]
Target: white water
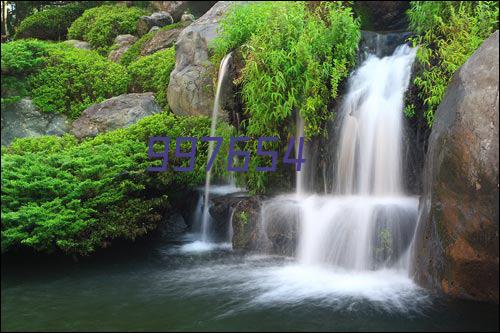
[[356, 239], [205, 225]]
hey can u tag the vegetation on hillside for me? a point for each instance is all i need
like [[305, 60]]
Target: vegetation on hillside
[[295, 55], [64, 196], [58, 77], [447, 33], [100, 25]]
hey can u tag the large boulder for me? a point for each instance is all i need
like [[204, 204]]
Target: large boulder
[[22, 119], [247, 228], [161, 40], [113, 113], [121, 45], [158, 19], [191, 90], [178, 8], [456, 242]]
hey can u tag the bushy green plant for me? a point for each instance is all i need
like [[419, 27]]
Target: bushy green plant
[[73, 79], [100, 25], [295, 57], [19, 60], [51, 23], [152, 73], [58, 77], [60, 195], [448, 33]]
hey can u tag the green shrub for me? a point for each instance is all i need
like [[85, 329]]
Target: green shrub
[[73, 79], [100, 25], [19, 60], [51, 23], [448, 33], [294, 62], [60, 195], [152, 73], [58, 77]]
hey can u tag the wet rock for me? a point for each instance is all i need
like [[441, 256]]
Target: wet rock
[[456, 244], [158, 19], [221, 212], [78, 44], [161, 40], [113, 113], [281, 219], [247, 231], [22, 119], [121, 44]]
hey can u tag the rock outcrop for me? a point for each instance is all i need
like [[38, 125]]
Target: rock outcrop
[[22, 119], [247, 231], [456, 243], [113, 113], [191, 90], [178, 8], [79, 44], [121, 45], [158, 19], [382, 15], [162, 39]]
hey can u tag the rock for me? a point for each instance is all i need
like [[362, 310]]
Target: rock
[[113, 113], [187, 18], [281, 219], [178, 8], [161, 40], [153, 29], [247, 231], [175, 8], [382, 15], [221, 210], [121, 45], [22, 119], [79, 44], [456, 243], [159, 19], [191, 90]]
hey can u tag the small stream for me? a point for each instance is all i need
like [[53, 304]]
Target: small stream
[[163, 286]]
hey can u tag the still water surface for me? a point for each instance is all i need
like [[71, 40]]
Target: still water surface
[[175, 285]]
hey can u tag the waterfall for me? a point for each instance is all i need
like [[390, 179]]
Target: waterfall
[[367, 222], [299, 176], [205, 225]]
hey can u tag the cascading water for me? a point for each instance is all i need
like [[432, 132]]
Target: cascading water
[[205, 225], [367, 222]]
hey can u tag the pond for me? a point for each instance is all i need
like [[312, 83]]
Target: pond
[[176, 285]]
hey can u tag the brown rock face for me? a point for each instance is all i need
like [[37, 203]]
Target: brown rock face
[[161, 40], [456, 245]]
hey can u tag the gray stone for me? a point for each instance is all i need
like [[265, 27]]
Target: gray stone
[[456, 242], [159, 19], [113, 113], [155, 28], [191, 90], [79, 44], [187, 18], [121, 44], [161, 40], [178, 8], [22, 119]]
